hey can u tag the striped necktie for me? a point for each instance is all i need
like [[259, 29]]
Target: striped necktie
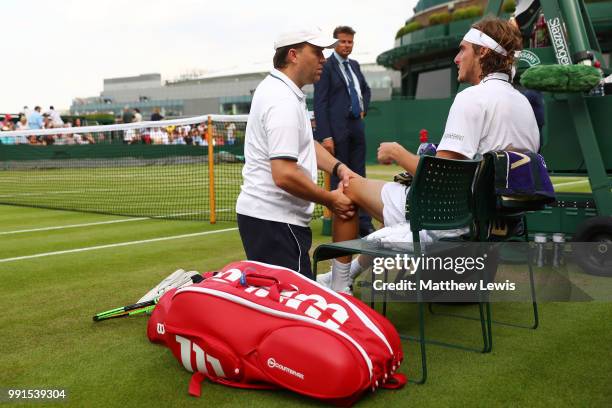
[[355, 108]]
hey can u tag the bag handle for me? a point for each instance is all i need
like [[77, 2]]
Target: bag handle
[[395, 381], [195, 384], [275, 287]]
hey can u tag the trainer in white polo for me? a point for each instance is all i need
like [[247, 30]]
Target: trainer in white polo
[[280, 174]]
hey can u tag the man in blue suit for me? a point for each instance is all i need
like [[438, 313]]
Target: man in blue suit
[[341, 100]]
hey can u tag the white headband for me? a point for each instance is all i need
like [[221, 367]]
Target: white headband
[[477, 37]]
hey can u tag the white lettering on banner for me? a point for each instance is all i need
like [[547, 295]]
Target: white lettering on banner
[[558, 39], [231, 275], [290, 299], [200, 357], [273, 364], [340, 314]]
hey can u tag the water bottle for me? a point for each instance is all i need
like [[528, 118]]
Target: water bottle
[[540, 254], [425, 149], [541, 38], [598, 90], [558, 248]]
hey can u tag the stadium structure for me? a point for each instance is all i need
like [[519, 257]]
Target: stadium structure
[[225, 93]]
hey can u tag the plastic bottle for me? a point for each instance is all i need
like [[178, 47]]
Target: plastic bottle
[[558, 248], [425, 149], [598, 90], [541, 38], [540, 254]]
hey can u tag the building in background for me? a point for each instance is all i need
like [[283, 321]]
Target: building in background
[[227, 93]]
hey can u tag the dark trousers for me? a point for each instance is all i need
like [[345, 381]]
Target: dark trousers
[[351, 150], [276, 243]]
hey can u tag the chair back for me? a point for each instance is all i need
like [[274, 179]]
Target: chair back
[[484, 199], [440, 197]]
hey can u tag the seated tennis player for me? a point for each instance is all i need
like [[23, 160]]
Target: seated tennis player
[[491, 115]]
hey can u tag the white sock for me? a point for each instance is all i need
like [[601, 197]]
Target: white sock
[[357, 268], [340, 275]]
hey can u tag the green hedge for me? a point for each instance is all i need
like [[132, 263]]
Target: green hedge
[[509, 6], [467, 12], [408, 28], [439, 18]]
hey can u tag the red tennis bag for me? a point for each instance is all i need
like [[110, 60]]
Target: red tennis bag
[[254, 325]]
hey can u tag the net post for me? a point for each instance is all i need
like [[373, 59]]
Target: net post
[[211, 172], [327, 214]]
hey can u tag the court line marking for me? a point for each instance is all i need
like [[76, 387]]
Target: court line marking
[[59, 227], [73, 226], [569, 183], [119, 244]]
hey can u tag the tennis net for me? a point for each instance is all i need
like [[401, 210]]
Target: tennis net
[[189, 169]]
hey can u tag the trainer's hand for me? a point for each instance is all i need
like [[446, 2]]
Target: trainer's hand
[[340, 204], [388, 151], [345, 174], [328, 144]]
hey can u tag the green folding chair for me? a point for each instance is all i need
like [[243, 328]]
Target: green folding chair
[[486, 216], [440, 198]]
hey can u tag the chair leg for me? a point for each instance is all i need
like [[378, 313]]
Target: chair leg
[[422, 345], [489, 328], [384, 309], [536, 317], [372, 304]]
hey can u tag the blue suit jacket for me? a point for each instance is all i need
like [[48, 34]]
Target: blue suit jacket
[[332, 101]]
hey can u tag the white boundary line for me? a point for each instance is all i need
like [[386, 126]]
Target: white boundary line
[[119, 244], [73, 226], [157, 217], [569, 183]]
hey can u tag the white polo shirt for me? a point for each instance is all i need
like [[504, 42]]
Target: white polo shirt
[[278, 127], [490, 116]]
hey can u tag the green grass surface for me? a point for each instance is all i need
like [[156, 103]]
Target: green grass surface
[[49, 340]]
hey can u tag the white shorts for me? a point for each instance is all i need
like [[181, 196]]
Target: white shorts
[[393, 196]]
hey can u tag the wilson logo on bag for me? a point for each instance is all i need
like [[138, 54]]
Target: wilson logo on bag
[[260, 326]]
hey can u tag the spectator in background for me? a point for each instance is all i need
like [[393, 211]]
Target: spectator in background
[[341, 100], [231, 129], [129, 135], [178, 137], [128, 116], [35, 119], [23, 123], [190, 136], [69, 139], [197, 138], [47, 122], [56, 118], [159, 136], [145, 138], [33, 140], [48, 140], [87, 139], [137, 115], [7, 123], [156, 115]]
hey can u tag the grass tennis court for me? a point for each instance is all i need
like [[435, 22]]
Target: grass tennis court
[[58, 268]]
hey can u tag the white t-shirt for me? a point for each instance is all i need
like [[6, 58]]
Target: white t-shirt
[[278, 127], [490, 116]]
